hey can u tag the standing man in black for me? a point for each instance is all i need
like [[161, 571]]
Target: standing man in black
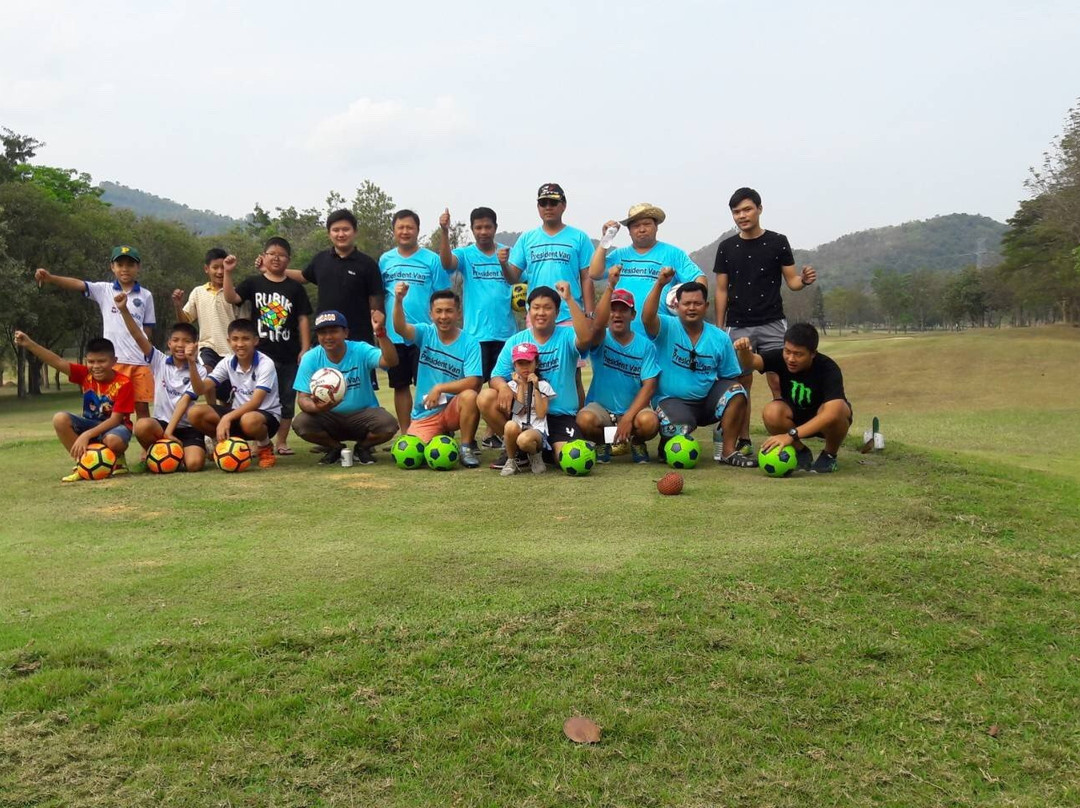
[[348, 280], [749, 266]]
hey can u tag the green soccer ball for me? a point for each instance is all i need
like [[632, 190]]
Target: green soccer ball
[[577, 458], [442, 453], [408, 452], [682, 452], [779, 461]]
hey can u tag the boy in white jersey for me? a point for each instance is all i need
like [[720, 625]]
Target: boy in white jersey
[[130, 360], [172, 388], [256, 407]]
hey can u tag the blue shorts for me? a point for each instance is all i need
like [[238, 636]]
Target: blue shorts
[[80, 425]]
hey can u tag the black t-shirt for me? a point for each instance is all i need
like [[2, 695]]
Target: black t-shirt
[[276, 309], [345, 284], [753, 269], [805, 392]]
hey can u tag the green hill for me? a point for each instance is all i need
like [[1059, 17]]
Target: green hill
[[200, 222], [948, 242]]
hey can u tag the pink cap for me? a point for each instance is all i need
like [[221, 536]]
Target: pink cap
[[525, 352], [624, 297]]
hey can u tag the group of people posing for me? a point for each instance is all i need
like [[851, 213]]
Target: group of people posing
[[658, 367]]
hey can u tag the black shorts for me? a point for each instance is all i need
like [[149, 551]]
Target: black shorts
[[187, 435], [562, 428], [404, 372], [286, 375], [489, 356], [272, 422]]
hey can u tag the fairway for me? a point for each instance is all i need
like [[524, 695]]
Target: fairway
[[901, 633]]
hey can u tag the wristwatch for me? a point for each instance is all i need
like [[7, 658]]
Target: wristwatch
[[793, 433]]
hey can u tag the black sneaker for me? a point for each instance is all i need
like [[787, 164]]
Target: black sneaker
[[331, 458], [492, 442], [499, 461], [804, 459], [363, 455], [825, 463]]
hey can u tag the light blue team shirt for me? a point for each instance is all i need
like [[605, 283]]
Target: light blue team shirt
[[424, 273], [356, 366], [713, 357], [557, 364], [439, 363], [488, 316], [545, 260], [640, 270], [618, 371]]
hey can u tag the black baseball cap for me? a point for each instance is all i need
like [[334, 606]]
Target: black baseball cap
[[551, 190]]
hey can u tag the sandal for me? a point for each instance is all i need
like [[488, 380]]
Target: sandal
[[739, 461], [284, 450]]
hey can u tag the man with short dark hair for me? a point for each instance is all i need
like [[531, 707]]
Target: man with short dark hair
[[699, 373], [348, 280], [812, 402], [749, 267], [421, 271]]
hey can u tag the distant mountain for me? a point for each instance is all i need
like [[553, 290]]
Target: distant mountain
[[200, 222], [949, 242]]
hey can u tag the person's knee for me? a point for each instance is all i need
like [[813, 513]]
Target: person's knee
[[253, 423], [194, 458], [588, 420], [512, 429], [62, 420], [115, 442], [777, 416], [646, 424], [467, 399]]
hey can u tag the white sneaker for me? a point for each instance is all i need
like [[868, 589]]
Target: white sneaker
[[509, 469], [536, 463]]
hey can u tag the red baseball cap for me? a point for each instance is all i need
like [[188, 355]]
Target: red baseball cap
[[525, 352], [623, 296]]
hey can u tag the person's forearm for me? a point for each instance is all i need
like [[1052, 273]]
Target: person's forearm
[[588, 292], [597, 264], [511, 273], [67, 284], [51, 359], [296, 275], [401, 325], [540, 404], [582, 324], [178, 413], [305, 333], [650, 317], [229, 291], [389, 352], [460, 386], [643, 398], [113, 421], [136, 331], [446, 255], [721, 307]]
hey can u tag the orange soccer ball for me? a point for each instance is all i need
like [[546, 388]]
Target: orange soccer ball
[[232, 454], [97, 462], [670, 484], [165, 456]]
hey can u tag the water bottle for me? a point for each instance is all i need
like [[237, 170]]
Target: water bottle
[[608, 237], [346, 458]]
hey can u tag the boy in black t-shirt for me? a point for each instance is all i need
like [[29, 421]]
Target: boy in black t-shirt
[[812, 402], [282, 312], [749, 267]]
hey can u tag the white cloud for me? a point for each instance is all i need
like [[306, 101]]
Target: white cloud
[[389, 128], [23, 96]]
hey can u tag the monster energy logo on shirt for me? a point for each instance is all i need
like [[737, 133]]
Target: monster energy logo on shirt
[[800, 394]]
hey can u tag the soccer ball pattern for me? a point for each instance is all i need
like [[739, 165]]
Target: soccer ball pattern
[[328, 384], [518, 295], [408, 452], [577, 458], [97, 462], [441, 453], [682, 452], [165, 456], [232, 455], [780, 461]]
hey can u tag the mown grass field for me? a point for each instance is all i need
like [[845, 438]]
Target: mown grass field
[[902, 633]]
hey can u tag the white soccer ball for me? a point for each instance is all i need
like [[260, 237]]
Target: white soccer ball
[[671, 301], [328, 384]]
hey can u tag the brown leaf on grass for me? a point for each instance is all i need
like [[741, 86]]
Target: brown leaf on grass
[[26, 667], [581, 730], [994, 731]]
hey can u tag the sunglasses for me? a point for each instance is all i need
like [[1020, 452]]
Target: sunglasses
[[693, 359], [549, 203]]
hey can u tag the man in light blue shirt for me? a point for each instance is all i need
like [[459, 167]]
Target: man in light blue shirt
[[422, 270], [625, 377], [554, 252], [642, 261], [699, 371]]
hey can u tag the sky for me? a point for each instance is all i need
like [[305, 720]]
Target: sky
[[843, 115]]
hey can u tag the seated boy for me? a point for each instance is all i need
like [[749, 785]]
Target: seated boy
[[172, 388], [108, 401], [256, 407]]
